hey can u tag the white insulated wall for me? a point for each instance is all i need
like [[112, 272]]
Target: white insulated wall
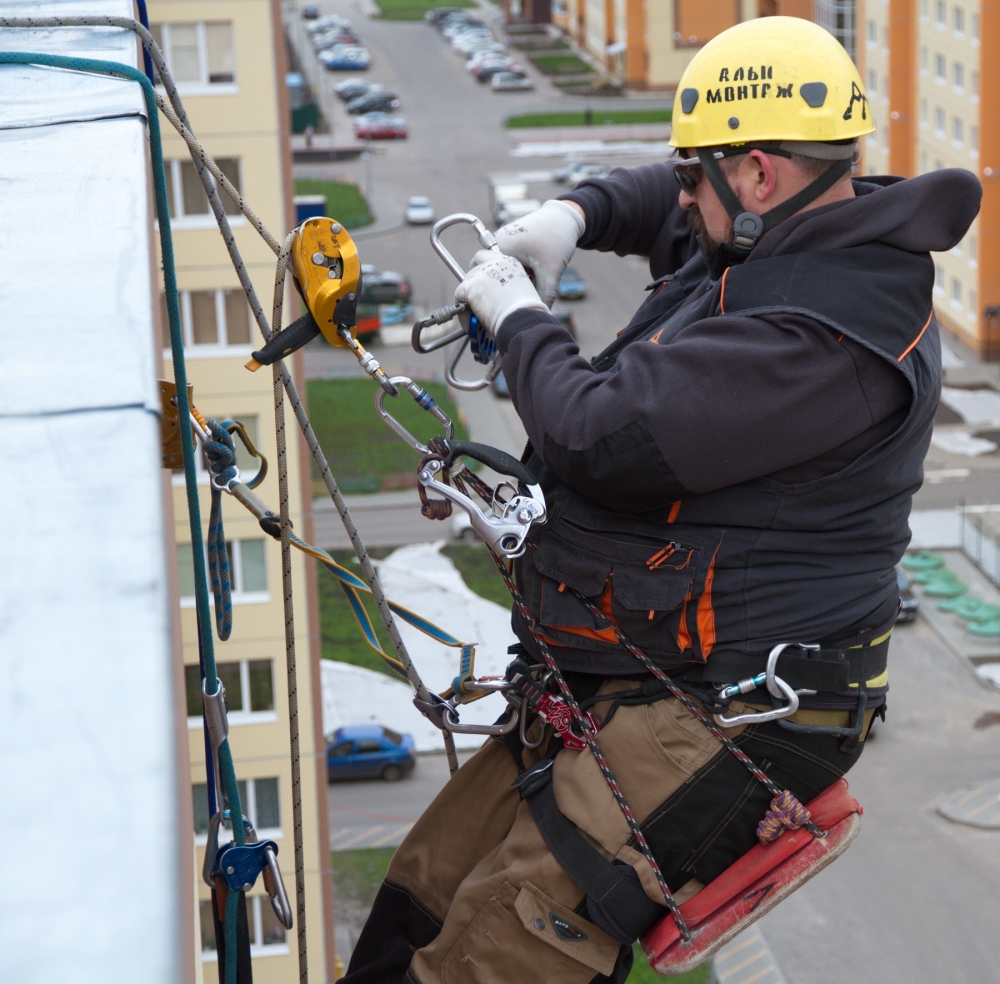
[[87, 756]]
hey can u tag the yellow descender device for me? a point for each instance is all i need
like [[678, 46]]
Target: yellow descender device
[[327, 274]]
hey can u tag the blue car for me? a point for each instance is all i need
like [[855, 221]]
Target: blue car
[[369, 751], [571, 286]]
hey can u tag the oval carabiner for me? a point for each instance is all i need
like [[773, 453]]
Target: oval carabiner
[[486, 238], [424, 400], [470, 385]]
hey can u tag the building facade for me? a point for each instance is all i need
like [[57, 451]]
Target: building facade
[[228, 59], [929, 66]]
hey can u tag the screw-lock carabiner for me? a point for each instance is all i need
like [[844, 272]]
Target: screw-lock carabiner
[[424, 400], [775, 686]]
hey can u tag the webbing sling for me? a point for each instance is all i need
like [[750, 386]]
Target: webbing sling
[[616, 901]]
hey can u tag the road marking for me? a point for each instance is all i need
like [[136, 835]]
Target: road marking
[[733, 964]]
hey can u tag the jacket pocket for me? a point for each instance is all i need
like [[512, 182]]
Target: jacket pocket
[[650, 581]]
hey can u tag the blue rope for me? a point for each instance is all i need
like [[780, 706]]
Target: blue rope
[[146, 60], [118, 70], [221, 453]]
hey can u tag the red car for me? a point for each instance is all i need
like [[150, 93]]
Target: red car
[[380, 126]]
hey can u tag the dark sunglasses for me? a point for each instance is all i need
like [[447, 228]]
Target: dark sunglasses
[[688, 172]]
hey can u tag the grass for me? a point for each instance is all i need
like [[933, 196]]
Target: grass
[[363, 452], [415, 9], [579, 118], [562, 64], [340, 637], [357, 876], [344, 201]]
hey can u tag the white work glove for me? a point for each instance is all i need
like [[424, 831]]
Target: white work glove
[[495, 286], [544, 240]]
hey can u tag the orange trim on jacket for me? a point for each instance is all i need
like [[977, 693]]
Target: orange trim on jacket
[[913, 344], [706, 613]]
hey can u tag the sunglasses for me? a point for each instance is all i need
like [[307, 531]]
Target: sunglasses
[[688, 172]]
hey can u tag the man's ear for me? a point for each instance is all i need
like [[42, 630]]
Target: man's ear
[[761, 174]]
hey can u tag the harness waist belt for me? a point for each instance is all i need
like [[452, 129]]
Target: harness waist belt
[[825, 670]]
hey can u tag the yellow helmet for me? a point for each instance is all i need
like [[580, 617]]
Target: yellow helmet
[[771, 79]]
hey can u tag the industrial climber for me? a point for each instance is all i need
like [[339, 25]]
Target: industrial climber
[[731, 475]]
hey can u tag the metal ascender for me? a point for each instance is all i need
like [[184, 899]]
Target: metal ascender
[[327, 274]]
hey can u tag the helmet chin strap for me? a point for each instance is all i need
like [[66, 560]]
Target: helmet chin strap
[[748, 227]]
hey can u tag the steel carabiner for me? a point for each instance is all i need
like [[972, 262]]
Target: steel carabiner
[[423, 400], [776, 687]]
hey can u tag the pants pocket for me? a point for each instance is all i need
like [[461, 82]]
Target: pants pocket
[[502, 944]]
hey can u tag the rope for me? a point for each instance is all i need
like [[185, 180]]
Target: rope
[[289, 612], [221, 453]]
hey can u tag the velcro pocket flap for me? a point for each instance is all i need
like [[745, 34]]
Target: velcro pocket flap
[[639, 589], [568, 932], [565, 564]]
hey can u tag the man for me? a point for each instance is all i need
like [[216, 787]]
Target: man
[[734, 472]]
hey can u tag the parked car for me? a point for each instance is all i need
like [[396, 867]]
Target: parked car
[[908, 603], [380, 126], [331, 39], [485, 70], [346, 59], [493, 50], [517, 209], [510, 82], [383, 286], [419, 210], [369, 751], [352, 88], [438, 14], [328, 22], [461, 23], [310, 11], [378, 101], [571, 286], [576, 174]]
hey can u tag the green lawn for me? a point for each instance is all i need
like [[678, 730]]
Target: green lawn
[[597, 118], [415, 9], [363, 452], [344, 201], [561, 64], [475, 564], [358, 874]]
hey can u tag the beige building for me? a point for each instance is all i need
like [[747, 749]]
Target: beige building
[[228, 59], [923, 64]]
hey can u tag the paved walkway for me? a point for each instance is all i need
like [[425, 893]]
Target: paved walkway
[[356, 838]]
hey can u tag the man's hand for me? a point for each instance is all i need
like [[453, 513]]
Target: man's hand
[[494, 287], [544, 240]]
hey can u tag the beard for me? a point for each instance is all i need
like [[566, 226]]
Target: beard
[[710, 248]]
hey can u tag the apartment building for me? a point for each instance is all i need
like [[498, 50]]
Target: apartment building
[[228, 59], [927, 78]]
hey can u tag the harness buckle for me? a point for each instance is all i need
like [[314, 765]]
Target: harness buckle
[[776, 687]]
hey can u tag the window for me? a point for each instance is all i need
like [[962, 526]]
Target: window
[[267, 935], [973, 251], [975, 28], [369, 745], [956, 292], [974, 141], [958, 75], [939, 121], [974, 85], [958, 20], [249, 687], [924, 5], [940, 69], [923, 162], [186, 196], [938, 165], [342, 750], [872, 82], [972, 305], [957, 131], [923, 112], [938, 278], [247, 567], [212, 317], [198, 55], [924, 60], [939, 14], [872, 32]]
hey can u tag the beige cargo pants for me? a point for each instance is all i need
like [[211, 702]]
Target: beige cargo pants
[[473, 895]]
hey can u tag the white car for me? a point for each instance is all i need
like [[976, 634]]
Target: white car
[[419, 210], [510, 82]]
